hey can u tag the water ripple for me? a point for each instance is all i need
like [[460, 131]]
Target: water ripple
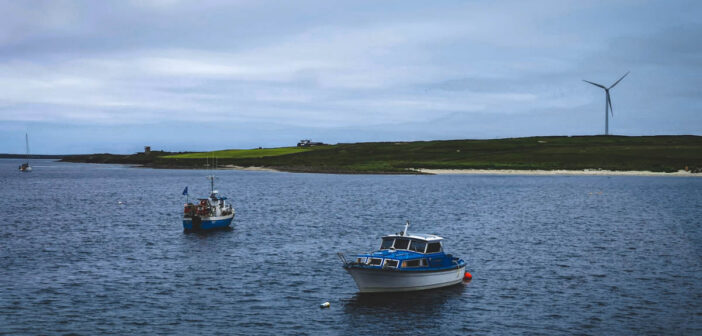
[[93, 249]]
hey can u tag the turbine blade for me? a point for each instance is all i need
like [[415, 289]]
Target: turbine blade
[[620, 79], [595, 84], [609, 103]]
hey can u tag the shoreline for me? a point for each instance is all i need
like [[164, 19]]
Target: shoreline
[[427, 171], [560, 172], [419, 171], [234, 167]]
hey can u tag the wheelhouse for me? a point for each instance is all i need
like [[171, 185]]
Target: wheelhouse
[[406, 252], [425, 244]]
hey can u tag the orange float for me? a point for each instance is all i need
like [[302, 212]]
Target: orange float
[[467, 276]]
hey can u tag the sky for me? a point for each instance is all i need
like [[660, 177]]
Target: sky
[[114, 76]]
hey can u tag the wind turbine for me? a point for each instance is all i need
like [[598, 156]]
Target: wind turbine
[[608, 100]]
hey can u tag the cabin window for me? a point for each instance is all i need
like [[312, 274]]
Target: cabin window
[[390, 263], [415, 263], [361, 260], [401, 244], [374, 261], [434, 247], [418, 246], [387, 243], [411, 263]]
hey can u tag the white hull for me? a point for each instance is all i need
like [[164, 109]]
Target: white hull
[[371, 281]]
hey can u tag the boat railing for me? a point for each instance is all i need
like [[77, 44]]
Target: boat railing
[[348, 258], [342, 257]]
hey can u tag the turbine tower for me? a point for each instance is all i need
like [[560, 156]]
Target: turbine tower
[[608, 100]]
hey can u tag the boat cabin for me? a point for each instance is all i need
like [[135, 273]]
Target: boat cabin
[[416, 252], [206, 207], [417, 243]]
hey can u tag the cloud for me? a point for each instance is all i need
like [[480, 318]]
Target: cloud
[[320, 68]]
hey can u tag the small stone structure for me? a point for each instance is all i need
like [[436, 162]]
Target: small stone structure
[[308, 143]]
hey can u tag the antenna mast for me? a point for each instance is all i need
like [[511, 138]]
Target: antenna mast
[[211, 177]]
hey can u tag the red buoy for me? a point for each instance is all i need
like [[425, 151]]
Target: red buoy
[[467, 276]]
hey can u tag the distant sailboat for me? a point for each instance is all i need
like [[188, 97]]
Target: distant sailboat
[[25, 167]]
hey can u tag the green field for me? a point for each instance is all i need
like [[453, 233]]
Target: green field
[[241, 153]]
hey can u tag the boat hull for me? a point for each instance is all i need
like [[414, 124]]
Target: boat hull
[[375, 281], [208, 223]]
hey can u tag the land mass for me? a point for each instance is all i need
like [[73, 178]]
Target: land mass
[[610, 153]]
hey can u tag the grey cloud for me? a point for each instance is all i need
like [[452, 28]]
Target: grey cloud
[[273, 71]]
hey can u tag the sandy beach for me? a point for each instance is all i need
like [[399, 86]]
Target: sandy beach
[[586, 172], [233, 167], [680, 173]]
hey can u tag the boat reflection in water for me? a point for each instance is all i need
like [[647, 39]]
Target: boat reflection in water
[[400, 312]]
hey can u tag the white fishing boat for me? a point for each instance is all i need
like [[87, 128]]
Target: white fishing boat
[[405, 262]]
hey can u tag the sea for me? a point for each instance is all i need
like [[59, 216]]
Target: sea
[[89, 249]]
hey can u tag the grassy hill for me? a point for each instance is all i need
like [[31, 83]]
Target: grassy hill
[[651, 153], [241, 153]]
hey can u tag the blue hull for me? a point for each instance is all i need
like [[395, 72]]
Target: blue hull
[[207, 224]]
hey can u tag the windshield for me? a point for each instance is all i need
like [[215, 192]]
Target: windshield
[[418, 246], [401, 243], [387, 243], [434, 247]]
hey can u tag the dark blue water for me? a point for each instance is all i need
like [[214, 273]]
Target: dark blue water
[[549, 255]]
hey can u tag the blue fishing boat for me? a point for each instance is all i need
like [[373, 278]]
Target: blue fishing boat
[[209, 213], [405, 262]]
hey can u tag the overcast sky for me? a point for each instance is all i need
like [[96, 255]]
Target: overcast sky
[[113, 76]]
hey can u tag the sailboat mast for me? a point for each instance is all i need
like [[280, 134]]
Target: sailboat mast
[[26, 142]]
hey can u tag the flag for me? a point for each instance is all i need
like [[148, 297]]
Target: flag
[[185, 191]]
